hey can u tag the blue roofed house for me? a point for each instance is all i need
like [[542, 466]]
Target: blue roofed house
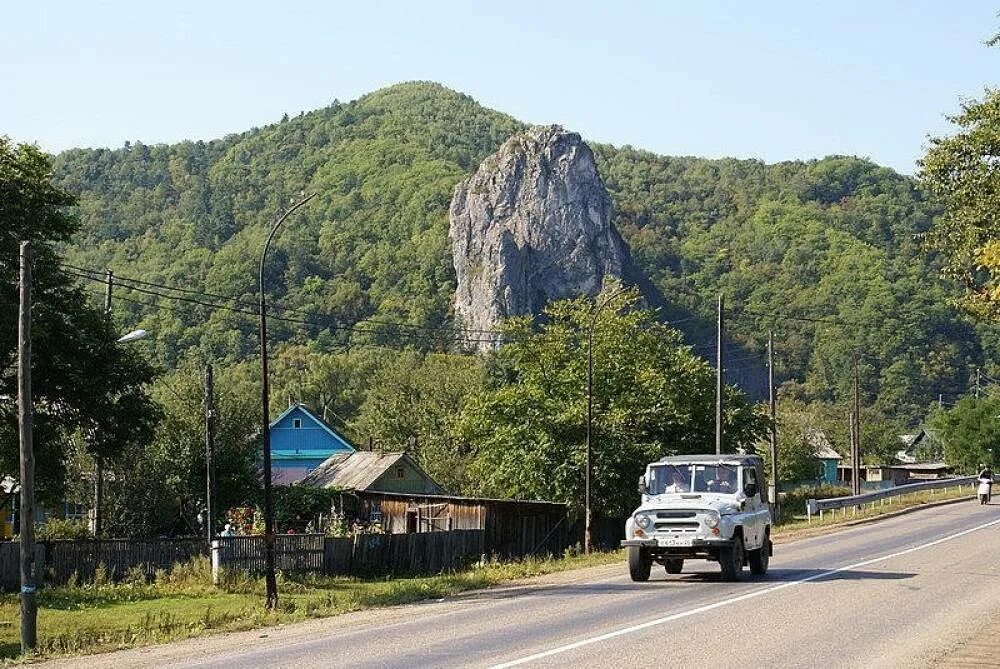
[[300, 442]]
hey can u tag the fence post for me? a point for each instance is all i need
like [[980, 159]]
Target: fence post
[[39, 565], [216, 561]]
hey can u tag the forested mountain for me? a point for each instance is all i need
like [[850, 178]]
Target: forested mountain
[[827, 252]]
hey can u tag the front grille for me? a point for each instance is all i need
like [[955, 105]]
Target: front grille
[[677, 526], [676, 514]]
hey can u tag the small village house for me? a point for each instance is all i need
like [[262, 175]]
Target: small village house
[[391, 490], [828, 459], [300, 442], [366, 471]]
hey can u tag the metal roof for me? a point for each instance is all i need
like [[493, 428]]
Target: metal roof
[[728, 458], [460, 498], [357, 470], [923, 466], [822, 448]]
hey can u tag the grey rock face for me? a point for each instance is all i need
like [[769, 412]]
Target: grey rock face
[[533, 224]]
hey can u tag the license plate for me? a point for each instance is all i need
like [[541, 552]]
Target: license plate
[[673, 541]]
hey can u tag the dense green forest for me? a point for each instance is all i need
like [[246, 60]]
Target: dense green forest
[[827, 253]]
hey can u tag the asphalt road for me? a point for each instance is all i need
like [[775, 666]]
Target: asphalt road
[[900, 592]]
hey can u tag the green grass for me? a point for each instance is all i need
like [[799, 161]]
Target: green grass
[[78, 619]]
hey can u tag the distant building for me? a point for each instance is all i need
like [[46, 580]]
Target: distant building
[[829, 459], [924, 442], [300, 442]]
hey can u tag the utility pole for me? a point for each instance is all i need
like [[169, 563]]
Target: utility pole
[[98, 460], [209, 454], [773, 492], [109, 284], [853, 438], [979, 381], [26, 419], [856, 453], [588, 474], [719, 380]]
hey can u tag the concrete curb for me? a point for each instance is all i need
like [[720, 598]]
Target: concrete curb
[[808, 533]]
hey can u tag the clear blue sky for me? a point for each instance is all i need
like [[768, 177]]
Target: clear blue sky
[[766, 79]]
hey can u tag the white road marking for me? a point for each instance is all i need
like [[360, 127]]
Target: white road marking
[[733, 600]]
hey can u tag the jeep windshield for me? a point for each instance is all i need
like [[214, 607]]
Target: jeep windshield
[[680, 478]]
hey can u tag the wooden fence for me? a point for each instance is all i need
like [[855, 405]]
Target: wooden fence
[[10, 565], [292, 552], [424, 552], [364, 554], [118, 556], [419, 553]]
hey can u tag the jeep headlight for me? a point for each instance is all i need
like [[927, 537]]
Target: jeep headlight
[[642, 520], [712, 520]]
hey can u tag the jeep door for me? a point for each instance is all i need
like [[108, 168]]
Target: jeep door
[[753, 510]]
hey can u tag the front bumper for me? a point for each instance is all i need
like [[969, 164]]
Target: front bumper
[[695, 543]]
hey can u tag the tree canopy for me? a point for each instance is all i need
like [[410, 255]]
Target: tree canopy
[[970, 432], [84, 384], [652, 398], [962, 170]]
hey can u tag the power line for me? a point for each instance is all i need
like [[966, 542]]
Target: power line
[[314, 323], [120, 280]]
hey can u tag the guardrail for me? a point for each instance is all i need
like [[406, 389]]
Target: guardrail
[[814, 506]]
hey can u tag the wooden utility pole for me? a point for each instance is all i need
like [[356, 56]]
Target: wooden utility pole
[[856, 451], [109, 284], [979, 381], [209, 454], [98, 460], [719, 381], [773, 492], [25, 416]]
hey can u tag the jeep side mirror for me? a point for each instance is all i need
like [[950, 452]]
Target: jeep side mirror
[[642, 484], [750, 489]]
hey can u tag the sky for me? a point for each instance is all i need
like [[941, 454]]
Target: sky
[[773, 80]]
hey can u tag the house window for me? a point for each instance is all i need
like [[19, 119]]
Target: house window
[[400, 473], [297, 423]]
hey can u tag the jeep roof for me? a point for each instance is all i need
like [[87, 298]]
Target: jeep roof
[[725, 458]]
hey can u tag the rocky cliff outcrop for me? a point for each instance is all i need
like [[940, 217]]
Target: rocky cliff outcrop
[[533, 224]]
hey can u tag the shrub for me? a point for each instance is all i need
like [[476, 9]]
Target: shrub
[[57, 528]]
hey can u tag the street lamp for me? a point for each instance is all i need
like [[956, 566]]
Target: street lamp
[[132, 336], [270, 583], [590, 409]]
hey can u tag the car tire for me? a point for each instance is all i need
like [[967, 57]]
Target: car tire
[[674, 565], [731, 560], [760, 558], [639, 563]]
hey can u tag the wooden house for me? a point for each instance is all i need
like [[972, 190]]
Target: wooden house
[[300, 442], [372, 471]]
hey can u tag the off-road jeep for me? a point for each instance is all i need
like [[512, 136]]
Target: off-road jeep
[[707, 507]]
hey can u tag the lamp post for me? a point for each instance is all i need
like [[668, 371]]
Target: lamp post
[[270, 583], [134, 335], [590, 411]]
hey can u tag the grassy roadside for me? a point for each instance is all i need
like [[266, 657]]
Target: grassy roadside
[[799, 523], [81, 619], [91, 618]]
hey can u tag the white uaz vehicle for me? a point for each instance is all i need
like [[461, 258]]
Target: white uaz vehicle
[[707, 507]]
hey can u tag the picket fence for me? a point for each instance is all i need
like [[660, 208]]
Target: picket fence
[[362, 555]]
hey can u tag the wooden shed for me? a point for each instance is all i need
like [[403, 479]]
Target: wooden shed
[[512, 527]]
